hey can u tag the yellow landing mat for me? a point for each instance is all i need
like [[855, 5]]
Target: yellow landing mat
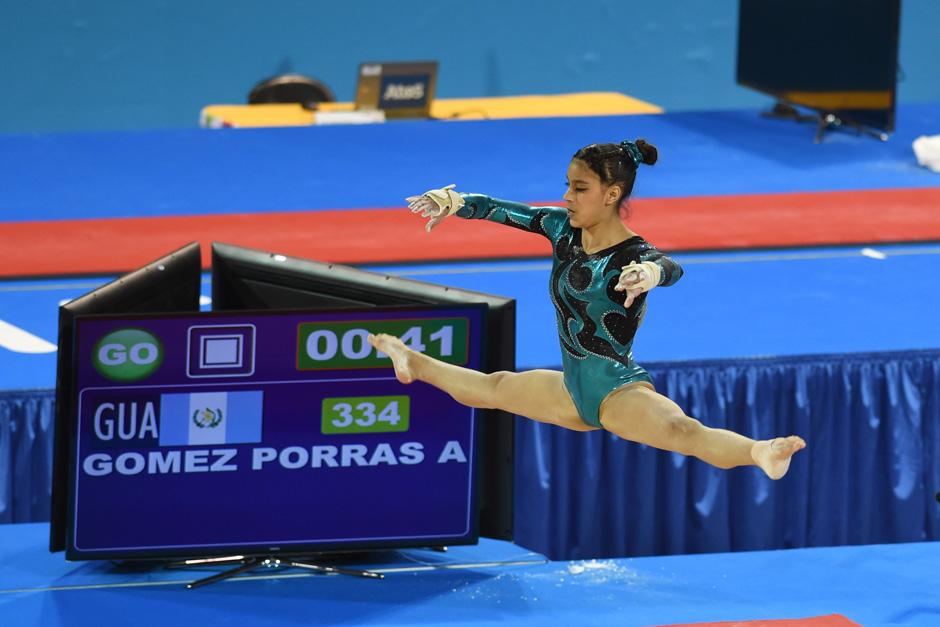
[[539, 106]]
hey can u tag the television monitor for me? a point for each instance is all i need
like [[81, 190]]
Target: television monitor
[[244, 278], [262, 433], [838, 57], [169, 284]]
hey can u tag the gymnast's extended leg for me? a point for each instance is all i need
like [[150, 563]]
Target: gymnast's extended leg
[[537, 394], [639, 414]]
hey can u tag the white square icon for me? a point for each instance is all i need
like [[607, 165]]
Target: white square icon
[[221, 351]]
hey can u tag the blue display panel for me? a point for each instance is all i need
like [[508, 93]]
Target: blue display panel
[[268, 432]]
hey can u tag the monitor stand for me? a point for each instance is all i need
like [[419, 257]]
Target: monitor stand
[[247, 564], [824, 121]]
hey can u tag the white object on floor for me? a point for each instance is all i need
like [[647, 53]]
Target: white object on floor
[[21, 341], [873, 254], [349, 117], [927, 150]]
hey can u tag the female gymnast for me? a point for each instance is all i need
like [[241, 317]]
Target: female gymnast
[[601, 274]]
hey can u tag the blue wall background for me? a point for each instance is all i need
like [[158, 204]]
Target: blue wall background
[[104, 64]]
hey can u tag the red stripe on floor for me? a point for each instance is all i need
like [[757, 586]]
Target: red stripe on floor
[[832, 620], [394, 235], [797, 219]]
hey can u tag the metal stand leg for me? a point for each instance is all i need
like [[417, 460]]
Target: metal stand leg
[[246, 564], [824, 121], [249, 564], [334, 569]]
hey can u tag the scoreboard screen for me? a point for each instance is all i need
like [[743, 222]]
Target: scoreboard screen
[[266, 432]]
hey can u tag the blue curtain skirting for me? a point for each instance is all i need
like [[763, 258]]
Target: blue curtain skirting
[[869, 474], [26, 433]]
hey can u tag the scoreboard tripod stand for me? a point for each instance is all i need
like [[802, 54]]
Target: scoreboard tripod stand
[[247, 564]]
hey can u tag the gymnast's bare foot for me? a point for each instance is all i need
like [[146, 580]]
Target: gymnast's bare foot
[[773, 456], [402, 356]]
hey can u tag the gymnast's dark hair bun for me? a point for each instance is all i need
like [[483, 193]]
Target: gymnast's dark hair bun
[[650, 154]]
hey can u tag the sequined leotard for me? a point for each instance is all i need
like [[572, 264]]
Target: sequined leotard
[[595, 331]]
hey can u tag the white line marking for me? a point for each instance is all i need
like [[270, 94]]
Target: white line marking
[[20, 341], [874, 254], [53, 286], [510, 266], [681, 257], [802, 256], [474, 269], [181, 582]]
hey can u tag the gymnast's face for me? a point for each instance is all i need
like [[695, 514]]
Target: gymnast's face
[[588, 200]]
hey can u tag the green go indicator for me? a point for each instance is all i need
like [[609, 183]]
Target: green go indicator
[[344, 345], [365, 414]]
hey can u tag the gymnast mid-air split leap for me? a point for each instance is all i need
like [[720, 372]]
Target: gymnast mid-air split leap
[[601, 274]]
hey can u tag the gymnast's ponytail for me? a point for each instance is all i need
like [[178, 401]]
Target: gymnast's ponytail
[[649, 152]]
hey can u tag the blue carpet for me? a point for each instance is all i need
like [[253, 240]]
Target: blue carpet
[[193, 172], [872, 585], [727, 305]]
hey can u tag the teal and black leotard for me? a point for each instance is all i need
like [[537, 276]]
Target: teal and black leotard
[[595, 331]]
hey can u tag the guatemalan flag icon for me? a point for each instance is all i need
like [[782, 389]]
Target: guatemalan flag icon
[[210, 418]]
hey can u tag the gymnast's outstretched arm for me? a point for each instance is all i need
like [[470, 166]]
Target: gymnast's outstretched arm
[[546, 221], [437, 204], [654, 270], [669, 270]]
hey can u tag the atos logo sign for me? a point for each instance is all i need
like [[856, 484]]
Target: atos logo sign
[[128, 355], [399, 91], [404, 92]]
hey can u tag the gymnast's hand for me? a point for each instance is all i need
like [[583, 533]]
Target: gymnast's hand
[[637, 278], [436, 204]]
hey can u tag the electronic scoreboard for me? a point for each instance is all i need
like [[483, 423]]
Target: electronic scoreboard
[[268, 432]]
